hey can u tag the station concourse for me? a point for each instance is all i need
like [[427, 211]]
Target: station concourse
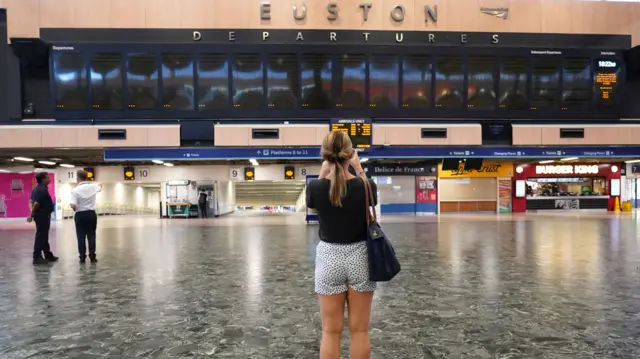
[[502, 139]]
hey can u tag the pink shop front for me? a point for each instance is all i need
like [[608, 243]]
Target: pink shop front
[[15, 192]]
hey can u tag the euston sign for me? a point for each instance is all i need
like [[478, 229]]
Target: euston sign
[[567, 170], [396, 12]]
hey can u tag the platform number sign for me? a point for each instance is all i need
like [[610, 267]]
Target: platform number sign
[[303, 172], [143, 172], [289, 173], [235, 174]]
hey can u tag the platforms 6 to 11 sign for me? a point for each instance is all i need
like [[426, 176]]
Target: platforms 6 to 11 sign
[[358, 129]]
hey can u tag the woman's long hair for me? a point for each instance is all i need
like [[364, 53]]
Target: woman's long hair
[[337, 149]]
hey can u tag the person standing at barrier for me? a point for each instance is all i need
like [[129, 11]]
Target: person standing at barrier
[[202, 203], [41, 205], [83, 202], [342, 262]]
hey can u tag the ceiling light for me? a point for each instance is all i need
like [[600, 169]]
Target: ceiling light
[[23, 159], [48, 163], [55, 159], [363, 160], [4, 171], [569, 159], [66, 165], [168, 164], [547, 161], [632, 161], [158, 162], [254, 162]]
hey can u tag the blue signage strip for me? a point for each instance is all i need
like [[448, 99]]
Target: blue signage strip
[[299, 153]]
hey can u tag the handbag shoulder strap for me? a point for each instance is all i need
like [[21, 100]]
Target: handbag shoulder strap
[[369, 202]]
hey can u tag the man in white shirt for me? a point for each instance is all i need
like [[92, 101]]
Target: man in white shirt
[[83, 202]]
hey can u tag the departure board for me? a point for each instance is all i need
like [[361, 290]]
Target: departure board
[[358, 129], [605, 80]]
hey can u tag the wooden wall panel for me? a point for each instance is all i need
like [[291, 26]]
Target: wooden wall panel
[[558, 16], [26, 17], [128, 14], [85, 14], [23, 18], [162, 14], [197, 14], [57, 13], [525, 16], [231, 14]]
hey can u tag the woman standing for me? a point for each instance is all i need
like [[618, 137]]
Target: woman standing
[[342, 266]]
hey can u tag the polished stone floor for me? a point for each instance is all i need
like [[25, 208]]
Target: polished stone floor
[[545, 286]]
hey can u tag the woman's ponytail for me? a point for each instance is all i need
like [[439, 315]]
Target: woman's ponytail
[[337, 149], [338, 185]]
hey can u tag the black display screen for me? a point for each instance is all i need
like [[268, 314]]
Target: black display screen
[[247, 84], [605, 81], [513, 84], [417, 76], [576, 83], [384, 81], [106, 81], [142, 81], [213, 81], [351, 77], [70, 77], [282, 81], [316, 81], [177, 82], [449, 82], [481, 90], [545, 84]]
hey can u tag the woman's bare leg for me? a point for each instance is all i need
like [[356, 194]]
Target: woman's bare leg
[[359, 304], [332, 313]]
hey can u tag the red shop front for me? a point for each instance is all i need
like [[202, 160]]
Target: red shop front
[[566, 186]]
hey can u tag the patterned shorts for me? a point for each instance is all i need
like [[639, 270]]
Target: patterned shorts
[[342, 266]]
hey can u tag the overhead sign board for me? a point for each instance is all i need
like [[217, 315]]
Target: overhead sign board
[[212, 153]]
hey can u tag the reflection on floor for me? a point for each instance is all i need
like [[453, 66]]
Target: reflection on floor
[[242, 287]]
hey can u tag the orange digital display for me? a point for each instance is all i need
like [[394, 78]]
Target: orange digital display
[[606, 82], [359, 130]]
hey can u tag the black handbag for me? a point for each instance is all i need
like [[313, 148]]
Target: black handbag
[[383, 264]]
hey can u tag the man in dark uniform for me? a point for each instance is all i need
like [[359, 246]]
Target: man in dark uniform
[[202, 203], [41, 205]]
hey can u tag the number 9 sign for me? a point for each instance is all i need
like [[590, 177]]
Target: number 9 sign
[[236, 174]]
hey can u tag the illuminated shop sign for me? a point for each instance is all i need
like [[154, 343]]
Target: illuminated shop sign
[[567, 170]]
